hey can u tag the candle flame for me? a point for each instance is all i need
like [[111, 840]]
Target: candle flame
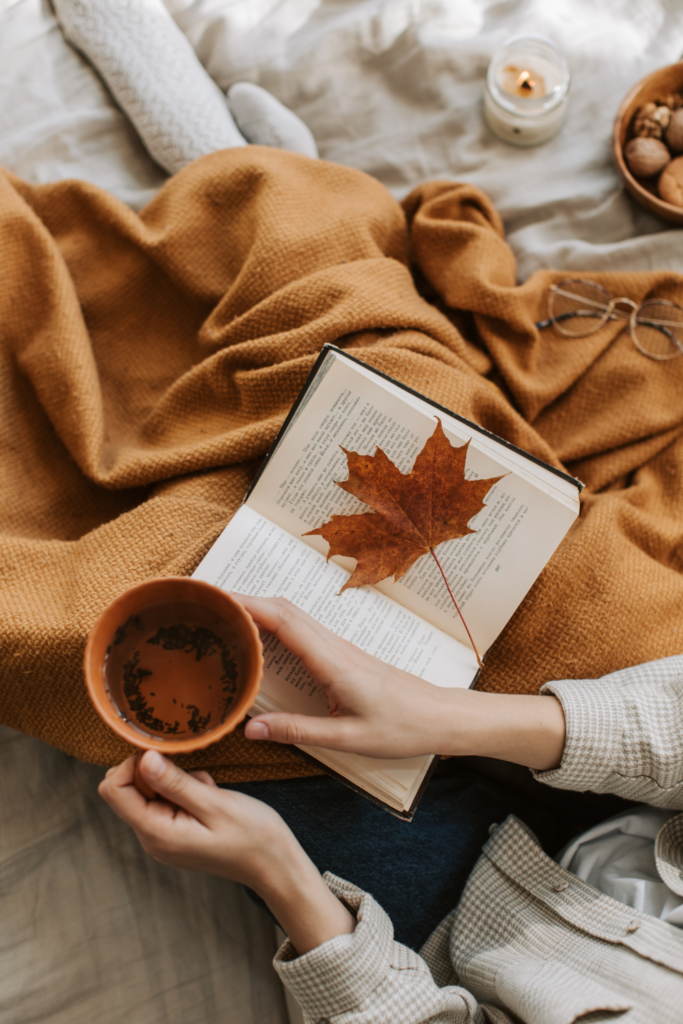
[[522, 82]]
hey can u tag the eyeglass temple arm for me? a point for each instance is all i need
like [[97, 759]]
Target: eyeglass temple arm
[[569, 316], [586, 312]]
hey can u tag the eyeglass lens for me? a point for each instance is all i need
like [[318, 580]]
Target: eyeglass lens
[[578, 307], [659, 329]]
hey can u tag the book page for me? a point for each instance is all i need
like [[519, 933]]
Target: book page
[[489, 571], [256, 557], [562, 487]]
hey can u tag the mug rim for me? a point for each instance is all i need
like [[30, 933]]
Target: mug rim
[[98, 641]]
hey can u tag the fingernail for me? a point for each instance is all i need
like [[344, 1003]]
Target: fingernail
[[258, 731], [154, 764]]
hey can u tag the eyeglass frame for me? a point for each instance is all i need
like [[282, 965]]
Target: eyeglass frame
[[611, 313]]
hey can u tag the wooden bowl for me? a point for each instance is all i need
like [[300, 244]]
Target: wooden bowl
[[644, 190], [173, 665]]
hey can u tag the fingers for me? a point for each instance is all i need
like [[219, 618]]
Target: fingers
[[119, 791], [122, 774], [204, 777], [305, 730], [278, 615], [175, 785], [318, 648]]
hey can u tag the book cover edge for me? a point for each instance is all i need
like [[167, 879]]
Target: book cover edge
[[406, 815]]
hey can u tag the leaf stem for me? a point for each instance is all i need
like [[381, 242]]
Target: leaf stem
[[474, 646]]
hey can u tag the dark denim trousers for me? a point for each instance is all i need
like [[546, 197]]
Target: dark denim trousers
[[417, 870]]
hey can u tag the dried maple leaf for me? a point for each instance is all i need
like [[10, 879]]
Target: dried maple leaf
[[413, 512]]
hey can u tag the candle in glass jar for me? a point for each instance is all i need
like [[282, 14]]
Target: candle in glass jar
[[527, 85]]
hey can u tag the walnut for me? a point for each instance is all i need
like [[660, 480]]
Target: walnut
[[674, 101], [674, 133], [644, 124], [662, 116], [651, 120], [646, 156]]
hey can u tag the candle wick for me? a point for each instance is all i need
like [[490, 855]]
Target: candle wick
[[525, 81]]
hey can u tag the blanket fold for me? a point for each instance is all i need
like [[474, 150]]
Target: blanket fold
[[148, 361]]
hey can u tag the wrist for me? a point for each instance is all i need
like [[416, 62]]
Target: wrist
[[277, 861], [300, 901], [523, 728], [455, 722]]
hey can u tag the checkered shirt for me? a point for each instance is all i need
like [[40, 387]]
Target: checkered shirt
[[529, 941]]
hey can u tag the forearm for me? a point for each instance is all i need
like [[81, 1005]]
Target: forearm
[[524, 729], [528, 730], [301, 902]]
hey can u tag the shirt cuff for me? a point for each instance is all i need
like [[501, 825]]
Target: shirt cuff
[[342, 973], [593, 712]]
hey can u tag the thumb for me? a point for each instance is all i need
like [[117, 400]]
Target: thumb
[[175, 785], [305, 730]]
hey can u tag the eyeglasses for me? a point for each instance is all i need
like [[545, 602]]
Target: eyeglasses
[[577, 308]]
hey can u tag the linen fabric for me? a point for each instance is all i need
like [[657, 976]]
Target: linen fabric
[[149, 360], [93, 929], [530, 940], [617, 856], [390, 87]]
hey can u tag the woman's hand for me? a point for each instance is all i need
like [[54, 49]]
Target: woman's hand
[[382, 711], [374, 709], [202, 828], [196, 825]]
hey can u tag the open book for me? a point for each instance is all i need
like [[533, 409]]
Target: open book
[[411, 624]]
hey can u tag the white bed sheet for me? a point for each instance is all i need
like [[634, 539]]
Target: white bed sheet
[[90, 929], [57, 119], [392, 87]]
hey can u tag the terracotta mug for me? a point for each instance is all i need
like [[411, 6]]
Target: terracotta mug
[[173, 664]]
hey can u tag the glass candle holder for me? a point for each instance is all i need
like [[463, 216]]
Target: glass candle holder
[[527, 86]]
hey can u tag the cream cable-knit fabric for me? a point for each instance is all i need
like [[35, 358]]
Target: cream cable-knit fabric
[[153, 73], [529, 940], [264, 121], [178, 110]]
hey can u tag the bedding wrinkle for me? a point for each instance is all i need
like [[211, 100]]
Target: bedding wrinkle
[[93, 931], [148, 361]]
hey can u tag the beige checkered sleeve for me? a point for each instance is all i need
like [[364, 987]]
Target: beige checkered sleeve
[[530, 940], [624, 734], [368, 978]]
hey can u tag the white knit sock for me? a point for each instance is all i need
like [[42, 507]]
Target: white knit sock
[[264, 121], [152, 71]]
